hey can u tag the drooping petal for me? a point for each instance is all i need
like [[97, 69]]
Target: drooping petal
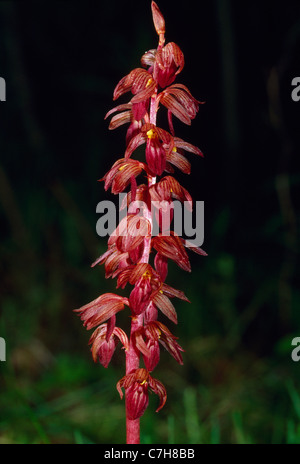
[[134, 143], [126, 382], [193, 248], [158, 331], [179, 143], [158, 388], [120, 119], [102, 258], [178, 99], [170, 344], [123, 107], [164, 304], [180, 161], [173, 292], [177, 191], [173, 105], [113, 260], [123, 86], [118, 332], [171, 247]]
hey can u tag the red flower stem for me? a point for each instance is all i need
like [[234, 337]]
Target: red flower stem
[[132, 354], [132, 363]]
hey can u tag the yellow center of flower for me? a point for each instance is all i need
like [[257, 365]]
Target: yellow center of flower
[[151, 134], [122, 167], [149, 82], [174, 149], [146, 275], [144, 381]]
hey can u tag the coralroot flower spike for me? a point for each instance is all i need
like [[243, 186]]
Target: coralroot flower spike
[[129, 247]]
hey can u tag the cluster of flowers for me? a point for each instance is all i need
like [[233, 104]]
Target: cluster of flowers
[[127, 256]]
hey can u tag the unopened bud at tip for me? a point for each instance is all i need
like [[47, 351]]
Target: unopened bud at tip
[[158, 19]]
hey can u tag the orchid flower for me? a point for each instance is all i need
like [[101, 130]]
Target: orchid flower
[[132, 245]]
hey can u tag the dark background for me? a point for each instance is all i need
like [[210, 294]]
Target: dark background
[[61, 62]]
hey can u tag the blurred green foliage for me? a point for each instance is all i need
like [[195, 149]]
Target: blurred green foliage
[[61, 61]]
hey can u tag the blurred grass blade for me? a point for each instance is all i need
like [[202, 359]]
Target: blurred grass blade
[[191, 416], [294, 397], [171, 430], [215, 432]]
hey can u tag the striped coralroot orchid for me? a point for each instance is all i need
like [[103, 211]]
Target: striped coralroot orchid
[[129, 247]]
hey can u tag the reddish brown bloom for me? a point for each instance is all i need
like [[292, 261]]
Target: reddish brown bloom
[[101, 309], [130, 233], [114, 260], [169, 61], [119, 176], [146, 281], [179, 100], [158, 144], [157, 331], [168, 188], [103, 347], [131, 274], [142, 85], [136, 385]]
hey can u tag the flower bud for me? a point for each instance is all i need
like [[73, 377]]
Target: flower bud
[[158, 19]]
